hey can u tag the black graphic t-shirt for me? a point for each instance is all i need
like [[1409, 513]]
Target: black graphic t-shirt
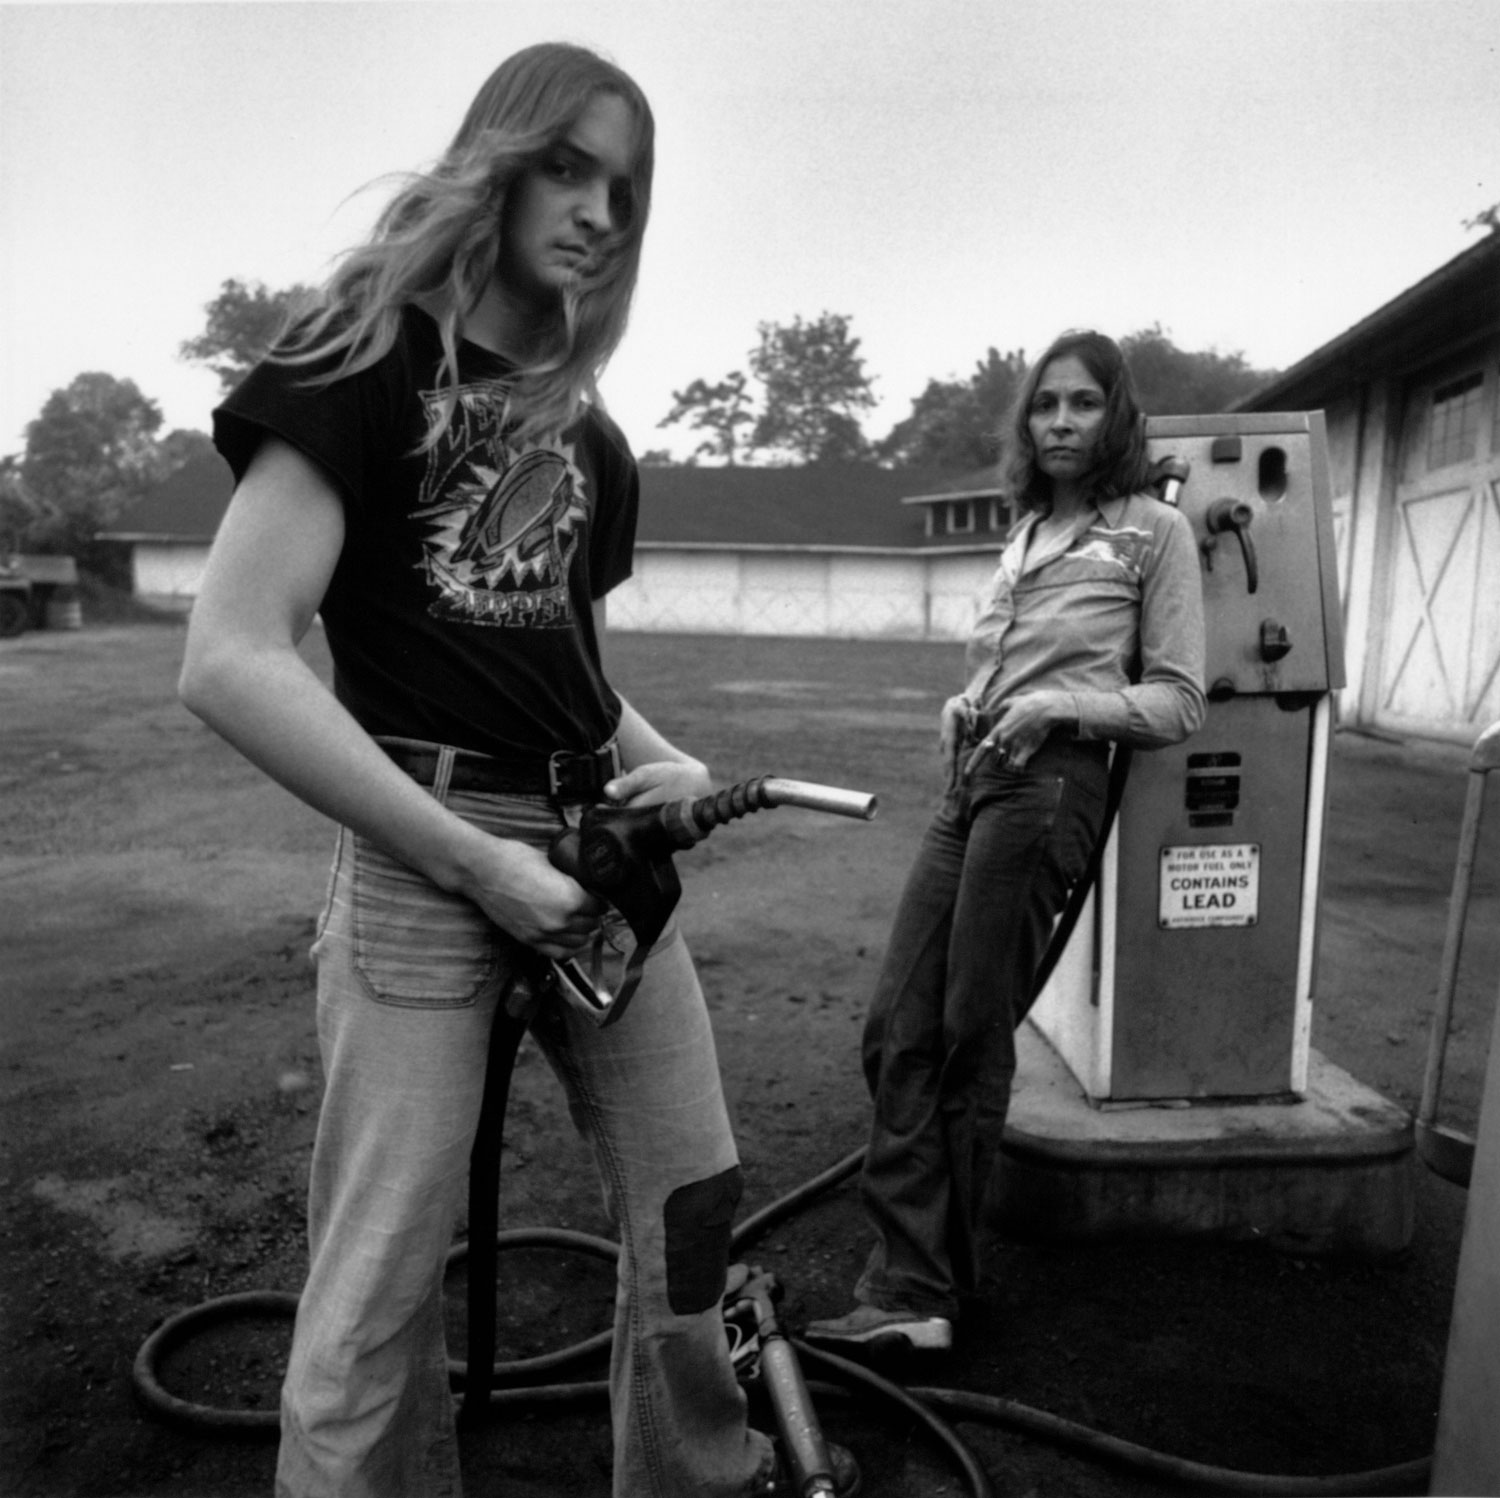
[[460, 611]]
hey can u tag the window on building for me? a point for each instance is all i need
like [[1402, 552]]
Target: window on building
[[1454, 426]]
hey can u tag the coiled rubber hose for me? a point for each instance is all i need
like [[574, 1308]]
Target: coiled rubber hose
[[927, 1406]]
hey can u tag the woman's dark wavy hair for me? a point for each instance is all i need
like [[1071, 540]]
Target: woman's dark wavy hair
[[1120, 463], [439, 240]]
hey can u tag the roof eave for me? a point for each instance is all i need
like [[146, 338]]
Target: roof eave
[[1461, 297]]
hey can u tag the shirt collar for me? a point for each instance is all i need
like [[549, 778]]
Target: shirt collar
[[1113, 510]]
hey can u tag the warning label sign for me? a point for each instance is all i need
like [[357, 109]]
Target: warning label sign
[[1210, 884]]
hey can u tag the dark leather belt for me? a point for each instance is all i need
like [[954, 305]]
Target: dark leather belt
[[562, 776]]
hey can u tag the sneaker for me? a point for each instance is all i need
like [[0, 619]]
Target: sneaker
[[781, 1482], [873, 1327]]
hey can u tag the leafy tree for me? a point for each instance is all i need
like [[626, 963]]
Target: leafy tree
[[179, 448], [90, 453], [720, 410], [1486, 218], [815, 385], [17, 513], [243, 322], [1173, 382], [956, 423], [843, 441]]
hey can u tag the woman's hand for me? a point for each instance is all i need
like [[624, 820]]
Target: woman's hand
[[521, 892], [660, 771], [1026, 719], [661, 781], [957, 717]]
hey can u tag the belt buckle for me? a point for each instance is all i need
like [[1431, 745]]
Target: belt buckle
[[563, 766]]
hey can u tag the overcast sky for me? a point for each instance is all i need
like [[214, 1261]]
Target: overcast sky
[[1254, 175]]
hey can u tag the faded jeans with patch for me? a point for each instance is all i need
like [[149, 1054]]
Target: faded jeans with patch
[[409, 978], [992, 873]]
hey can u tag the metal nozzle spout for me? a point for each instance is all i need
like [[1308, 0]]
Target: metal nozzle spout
[[828, 798]]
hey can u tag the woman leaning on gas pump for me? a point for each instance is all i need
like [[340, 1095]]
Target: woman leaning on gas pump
[[1092, 634]]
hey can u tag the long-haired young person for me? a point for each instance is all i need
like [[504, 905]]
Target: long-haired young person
[[424, 463], [1092, 633]]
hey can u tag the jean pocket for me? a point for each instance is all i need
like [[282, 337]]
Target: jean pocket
[[330, 895], [1029, 801], [417, 946], [951, 775]]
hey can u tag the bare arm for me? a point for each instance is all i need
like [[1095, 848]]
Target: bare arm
[[242, 674]]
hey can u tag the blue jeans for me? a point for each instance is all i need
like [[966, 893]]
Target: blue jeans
[[409, 978], [993, 872]]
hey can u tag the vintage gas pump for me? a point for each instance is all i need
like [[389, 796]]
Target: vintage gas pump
[[1191, 977]]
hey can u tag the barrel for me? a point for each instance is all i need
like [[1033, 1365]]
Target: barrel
[[64, 609]]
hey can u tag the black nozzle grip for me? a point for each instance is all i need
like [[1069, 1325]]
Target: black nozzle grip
[[623, 855], [563, 853]]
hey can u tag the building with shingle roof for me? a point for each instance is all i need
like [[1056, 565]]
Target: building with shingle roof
[[841, 549]]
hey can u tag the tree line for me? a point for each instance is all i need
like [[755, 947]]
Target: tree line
[[95, 447], [807, 387]]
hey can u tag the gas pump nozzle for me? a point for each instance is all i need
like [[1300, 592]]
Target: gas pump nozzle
[[624, 855], [781, 1373]]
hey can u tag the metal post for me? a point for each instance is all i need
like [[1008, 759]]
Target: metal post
[[1466, 1463], [1467, 1460]]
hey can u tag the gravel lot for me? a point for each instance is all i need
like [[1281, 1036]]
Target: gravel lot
[[160, 1085]]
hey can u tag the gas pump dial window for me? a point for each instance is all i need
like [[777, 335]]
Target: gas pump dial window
[[1212, 792]]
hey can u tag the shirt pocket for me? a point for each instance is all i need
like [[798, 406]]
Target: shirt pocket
[[417, 946], [1095, 571]]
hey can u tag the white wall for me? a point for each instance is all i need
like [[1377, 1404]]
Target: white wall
[[692, 588], [834, 592], [168, 574]]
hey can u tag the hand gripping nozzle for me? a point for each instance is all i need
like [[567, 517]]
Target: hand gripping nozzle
[[623, 854]]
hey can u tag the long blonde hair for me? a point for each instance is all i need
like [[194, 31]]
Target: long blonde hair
[[437, 242]]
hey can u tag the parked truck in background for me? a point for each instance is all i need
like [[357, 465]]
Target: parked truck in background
[[37, 592]]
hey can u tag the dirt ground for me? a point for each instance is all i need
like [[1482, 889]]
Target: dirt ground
[[160, 1086]]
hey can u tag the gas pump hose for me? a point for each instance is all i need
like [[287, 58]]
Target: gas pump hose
[[519, 1378], [931, 1408]]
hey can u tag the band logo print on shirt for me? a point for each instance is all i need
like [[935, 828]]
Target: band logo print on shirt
[[504, 523]]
